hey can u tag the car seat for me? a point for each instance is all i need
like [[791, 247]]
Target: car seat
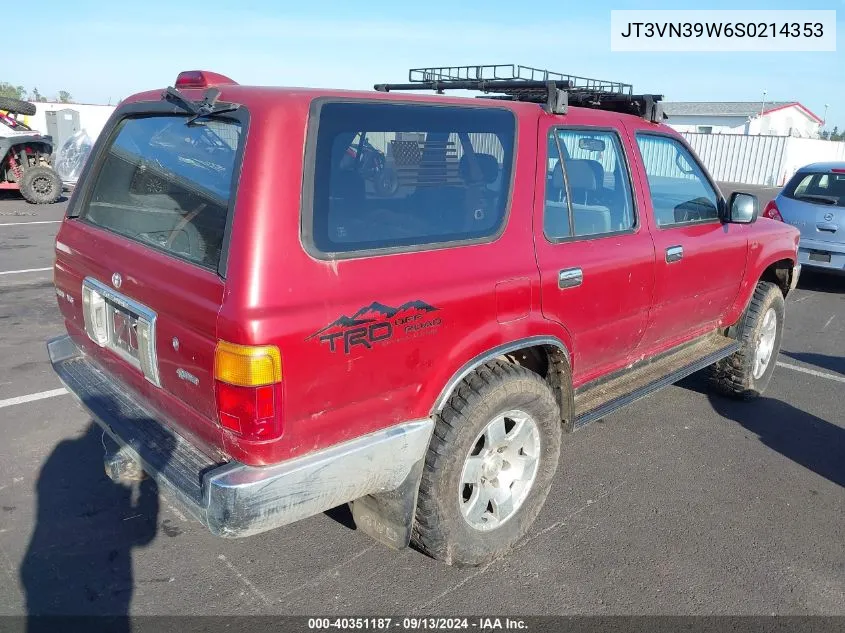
[[479, 170]]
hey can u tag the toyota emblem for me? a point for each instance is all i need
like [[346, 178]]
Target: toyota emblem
[[116, 280], [828, 217]]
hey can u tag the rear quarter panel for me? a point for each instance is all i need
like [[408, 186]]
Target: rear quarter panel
[[459, 302]]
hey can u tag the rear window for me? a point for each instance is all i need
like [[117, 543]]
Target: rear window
[[168, 184], [403, 176], [825, 188]]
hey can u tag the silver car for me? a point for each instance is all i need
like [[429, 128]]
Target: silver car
[[814, 202]]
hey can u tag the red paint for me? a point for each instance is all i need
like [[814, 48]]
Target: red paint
[[630, 304], [513, 299]]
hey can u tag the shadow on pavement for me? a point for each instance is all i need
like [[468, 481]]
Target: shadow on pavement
[[79, 559], [343, 515], [821, 361], [830, 283], [806, 439]]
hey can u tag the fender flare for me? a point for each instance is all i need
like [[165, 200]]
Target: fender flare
[[477, 361], [745, 294]]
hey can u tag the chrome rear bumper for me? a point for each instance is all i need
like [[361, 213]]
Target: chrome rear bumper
[[232, 499]]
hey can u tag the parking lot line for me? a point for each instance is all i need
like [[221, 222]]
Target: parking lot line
[[812, 372], [25, 270], [25, 223], [52, 393]]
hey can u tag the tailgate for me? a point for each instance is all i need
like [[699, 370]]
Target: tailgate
[[137, 262]]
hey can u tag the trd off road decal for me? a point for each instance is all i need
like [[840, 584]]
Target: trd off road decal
[[378, 323]]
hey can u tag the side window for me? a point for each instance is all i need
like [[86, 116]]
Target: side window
[[680, 192], [588, 189], [392, 176]]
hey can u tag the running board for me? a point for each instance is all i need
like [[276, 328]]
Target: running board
[[594, 401]]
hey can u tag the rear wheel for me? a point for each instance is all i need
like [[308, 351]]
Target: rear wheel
[[41, 185], [747, 372], [490, 465]]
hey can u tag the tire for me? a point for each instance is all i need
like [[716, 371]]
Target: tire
[[41, 185], [746, 373], [17, 106], [462, 433]]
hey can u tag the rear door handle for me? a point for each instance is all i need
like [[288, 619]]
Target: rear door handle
[[829, 227], [569, 278], [674, 254]]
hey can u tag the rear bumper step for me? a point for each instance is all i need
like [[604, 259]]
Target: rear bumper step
[[232, 499]]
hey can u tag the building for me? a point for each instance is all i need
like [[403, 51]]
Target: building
[[92, 118], [750, 118]]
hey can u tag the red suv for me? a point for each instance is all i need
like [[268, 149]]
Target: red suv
[[281, 300]]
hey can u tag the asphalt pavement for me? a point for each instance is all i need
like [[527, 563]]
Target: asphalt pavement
[[684, 503]]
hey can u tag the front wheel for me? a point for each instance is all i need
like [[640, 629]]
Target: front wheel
[[747, 372], [490, 465]]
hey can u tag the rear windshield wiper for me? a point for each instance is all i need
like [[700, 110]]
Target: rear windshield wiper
[[831, 200], [198, 109]]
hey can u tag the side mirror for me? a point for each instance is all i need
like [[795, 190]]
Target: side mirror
[[743, 208]]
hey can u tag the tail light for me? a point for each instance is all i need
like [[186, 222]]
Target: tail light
[[248, 390], [201, 79], [772, 212], [95, 314]]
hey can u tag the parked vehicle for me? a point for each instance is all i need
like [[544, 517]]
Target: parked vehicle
[[814, 202], [269, 337], [25, 156]]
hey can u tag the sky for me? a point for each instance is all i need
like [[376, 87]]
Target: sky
[[101, 53]]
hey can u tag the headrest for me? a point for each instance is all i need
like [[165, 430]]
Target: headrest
[[581, 175], [557, 176], [487, 165]]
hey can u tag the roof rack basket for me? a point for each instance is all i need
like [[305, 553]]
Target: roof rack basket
[[556, 91]]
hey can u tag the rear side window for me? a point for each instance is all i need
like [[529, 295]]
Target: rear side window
[[595, 194], [825, 188], [168, 185], [403, 176]]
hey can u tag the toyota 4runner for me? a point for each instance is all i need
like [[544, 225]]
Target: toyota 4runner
[[282, 300]]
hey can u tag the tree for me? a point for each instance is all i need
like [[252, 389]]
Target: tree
[[65, 97], [35, 95], [15, 92], [835, 135]]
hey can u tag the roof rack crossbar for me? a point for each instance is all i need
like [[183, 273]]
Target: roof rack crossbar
[[515, 72], [556, 91]]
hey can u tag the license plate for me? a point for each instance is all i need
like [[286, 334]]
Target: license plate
[[118, 323], [123, 333], [819, 256]]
